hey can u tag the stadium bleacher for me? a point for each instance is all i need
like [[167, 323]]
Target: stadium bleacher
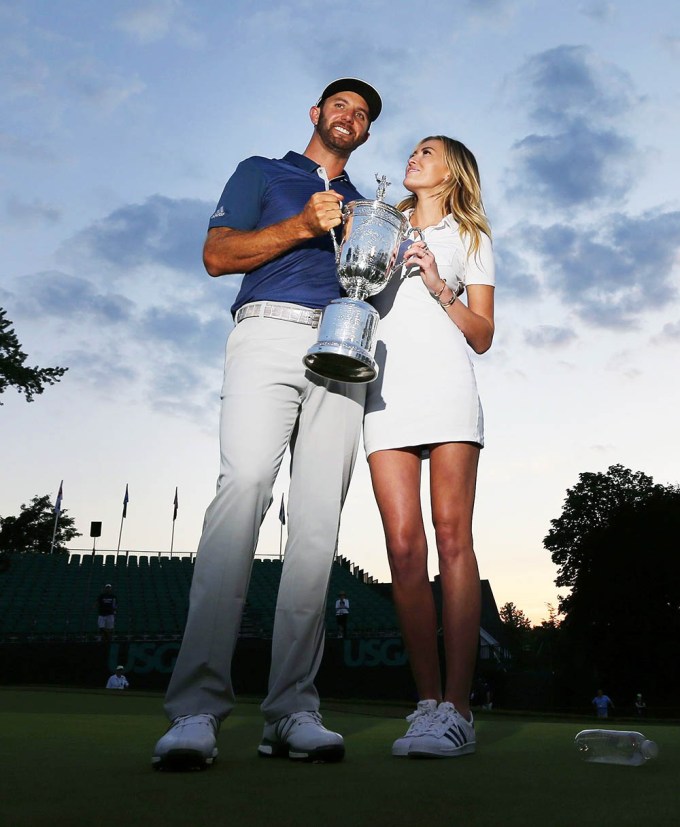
[[53, 597]]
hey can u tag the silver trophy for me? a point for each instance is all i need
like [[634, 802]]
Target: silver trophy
[[372, 234]]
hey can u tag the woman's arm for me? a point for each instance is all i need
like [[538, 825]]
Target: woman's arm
[[476, 319]]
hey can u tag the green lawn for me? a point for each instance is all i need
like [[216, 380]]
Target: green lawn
[[79, 758]]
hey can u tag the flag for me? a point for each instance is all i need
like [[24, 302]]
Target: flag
[[176, 504], [282, 512], [57, 505], [126, 500]]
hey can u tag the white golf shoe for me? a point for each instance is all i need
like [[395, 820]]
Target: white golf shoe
[[302, 737], [189, 744]]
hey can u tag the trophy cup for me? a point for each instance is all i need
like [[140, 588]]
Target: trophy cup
[[365, 258]]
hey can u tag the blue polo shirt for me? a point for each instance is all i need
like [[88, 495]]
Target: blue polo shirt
[[264, 191]]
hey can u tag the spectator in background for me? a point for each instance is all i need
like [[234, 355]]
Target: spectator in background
[[107, 604], [602, 702], [640, 705], [487, 697], [342, 613], [118, 679]]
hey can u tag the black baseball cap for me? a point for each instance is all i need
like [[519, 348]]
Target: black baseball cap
[[367, 92]]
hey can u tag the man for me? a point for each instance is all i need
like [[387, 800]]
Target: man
[[118, 679], [602, 703], [273, 223], [107, 606], [342, 613]]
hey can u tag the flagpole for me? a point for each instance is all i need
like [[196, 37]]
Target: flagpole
[[123, 516], [174, 517], [54, 533], [57, 512], [120, 534]]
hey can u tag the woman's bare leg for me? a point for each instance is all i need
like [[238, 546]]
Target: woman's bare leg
[[396, 483], [453, 478]]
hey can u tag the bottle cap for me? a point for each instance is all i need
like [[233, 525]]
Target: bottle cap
[[649, 749]]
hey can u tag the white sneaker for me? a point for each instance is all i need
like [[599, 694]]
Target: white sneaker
[[448, 736], [419, 721], [189, 744], [302, 737]]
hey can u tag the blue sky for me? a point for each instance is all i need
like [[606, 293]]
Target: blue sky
[[120, 126]]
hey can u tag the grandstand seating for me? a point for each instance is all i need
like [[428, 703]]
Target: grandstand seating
[[53, 596]]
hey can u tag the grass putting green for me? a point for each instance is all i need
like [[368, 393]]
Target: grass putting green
[[83, 758]]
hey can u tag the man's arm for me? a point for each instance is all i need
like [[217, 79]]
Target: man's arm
[[228, 251]]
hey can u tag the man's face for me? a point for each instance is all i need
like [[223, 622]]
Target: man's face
[[343, 122]]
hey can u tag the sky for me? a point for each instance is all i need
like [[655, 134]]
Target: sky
[[120, 124]]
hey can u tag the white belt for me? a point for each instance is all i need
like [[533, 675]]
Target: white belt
[[281, 311]]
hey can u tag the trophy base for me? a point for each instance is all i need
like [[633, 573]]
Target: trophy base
[[341, 364], [344, 350]]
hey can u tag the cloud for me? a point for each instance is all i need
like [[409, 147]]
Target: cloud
[[578, 166], [54, 75], [517, 281], [580, 157], [170, 356], [162, 231], [57, 294], [155, 20], [98, 86], [611, 273], [672, 44], [548, 336], [35, 212], [104, 368], [598, 10], [24, 149], [185, 331], [670, 334], [570, 83]]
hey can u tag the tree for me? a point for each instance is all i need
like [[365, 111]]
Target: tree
[[13, 370], [616, 546], [32, 530], [588, 508], [516, 628]]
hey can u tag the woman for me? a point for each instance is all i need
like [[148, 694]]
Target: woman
[[425, 403]]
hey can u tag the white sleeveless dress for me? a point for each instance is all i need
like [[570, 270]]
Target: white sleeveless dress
[[426, 390]]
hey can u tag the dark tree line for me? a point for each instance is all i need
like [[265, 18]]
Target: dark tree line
[[616, 547], [32, 529]]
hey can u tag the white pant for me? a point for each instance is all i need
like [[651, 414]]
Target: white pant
[[269, 401]]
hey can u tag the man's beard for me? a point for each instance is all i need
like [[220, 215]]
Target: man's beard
[[342, 144]]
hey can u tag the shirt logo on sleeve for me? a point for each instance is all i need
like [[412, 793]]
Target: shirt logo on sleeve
[[218, 213]]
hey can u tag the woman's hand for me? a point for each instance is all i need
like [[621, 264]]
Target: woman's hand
[[420, 255]]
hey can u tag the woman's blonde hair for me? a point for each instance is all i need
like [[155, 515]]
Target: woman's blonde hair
[[461, 194]]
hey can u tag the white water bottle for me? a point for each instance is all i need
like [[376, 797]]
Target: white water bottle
[[610, 746]]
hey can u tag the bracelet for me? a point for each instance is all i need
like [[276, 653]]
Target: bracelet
[[449, 302], [436, 296]]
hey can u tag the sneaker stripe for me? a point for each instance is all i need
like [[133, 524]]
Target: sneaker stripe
[[455, 736]]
